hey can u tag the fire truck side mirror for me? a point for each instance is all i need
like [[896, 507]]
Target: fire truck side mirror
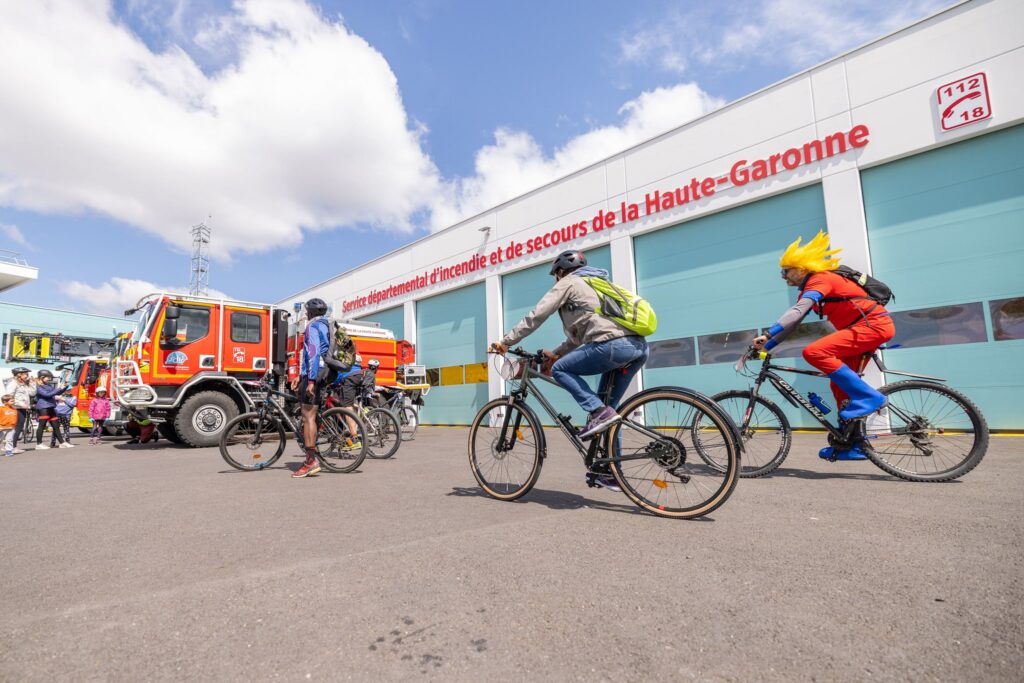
[[170, 329], [172, 312]]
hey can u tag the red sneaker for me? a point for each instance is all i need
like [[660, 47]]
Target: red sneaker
[[309, 468]]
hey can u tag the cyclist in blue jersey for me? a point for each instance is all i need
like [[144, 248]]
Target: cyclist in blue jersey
[[313, 376]]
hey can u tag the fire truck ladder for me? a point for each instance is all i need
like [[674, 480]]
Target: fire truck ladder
[[50, 347]]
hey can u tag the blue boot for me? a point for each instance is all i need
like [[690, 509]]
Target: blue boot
[[854, 453], [864, 399]]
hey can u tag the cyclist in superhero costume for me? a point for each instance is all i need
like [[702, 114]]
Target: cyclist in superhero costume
[[862, 325]]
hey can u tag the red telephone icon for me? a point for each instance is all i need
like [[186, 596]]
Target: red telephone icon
[[969, 96]]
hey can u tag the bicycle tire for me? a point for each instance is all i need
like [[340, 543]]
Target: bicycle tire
[[343, 451], [661, 470], [236, 434], [519, 470], [762, 456], [409, 421], [899, 449], [383, 436]]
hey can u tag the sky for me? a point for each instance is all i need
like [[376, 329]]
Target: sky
[[312, 136]]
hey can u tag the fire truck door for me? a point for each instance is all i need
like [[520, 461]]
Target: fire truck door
[[246, 340], [192, 347]]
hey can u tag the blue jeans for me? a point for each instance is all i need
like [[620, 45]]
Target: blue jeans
[[628, 353]]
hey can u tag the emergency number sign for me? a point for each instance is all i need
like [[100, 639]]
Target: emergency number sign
[[963, 102]]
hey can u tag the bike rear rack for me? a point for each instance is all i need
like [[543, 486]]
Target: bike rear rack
[[881, 366]]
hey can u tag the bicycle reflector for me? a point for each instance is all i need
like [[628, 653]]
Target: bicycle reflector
[[660, 483]]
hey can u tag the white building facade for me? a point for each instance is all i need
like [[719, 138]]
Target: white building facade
[[909, 151]]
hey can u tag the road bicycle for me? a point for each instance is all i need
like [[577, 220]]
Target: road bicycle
[[925, 432], [256, 440], [408, 420], [650, 451]]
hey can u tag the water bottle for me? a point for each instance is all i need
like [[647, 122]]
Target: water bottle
[[818, 403]]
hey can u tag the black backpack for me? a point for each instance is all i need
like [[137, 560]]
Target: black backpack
[[874, 290]]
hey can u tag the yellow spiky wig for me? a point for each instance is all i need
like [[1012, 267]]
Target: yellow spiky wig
[[814, 257]]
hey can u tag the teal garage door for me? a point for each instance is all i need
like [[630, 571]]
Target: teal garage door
[[520, 292], [714, 283], [452, 343], [391, 319], [946, 230]]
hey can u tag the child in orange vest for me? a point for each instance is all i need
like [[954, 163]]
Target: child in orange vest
[[8, 419]]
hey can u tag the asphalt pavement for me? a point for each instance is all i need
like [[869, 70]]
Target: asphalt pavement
[[126, 562]]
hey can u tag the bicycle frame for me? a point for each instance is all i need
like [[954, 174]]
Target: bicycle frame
[[769, 372], [589, 452]]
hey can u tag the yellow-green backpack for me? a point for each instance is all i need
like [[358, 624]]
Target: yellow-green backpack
[[623, 306]]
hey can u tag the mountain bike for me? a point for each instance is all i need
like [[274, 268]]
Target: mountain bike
[[408, 420], [256, 440], [650, 451], [925, 432], [382, 433]]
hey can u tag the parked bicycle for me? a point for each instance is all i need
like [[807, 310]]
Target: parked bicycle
[[408, 419], [256, 440], [926, 431], [383, 436], [650, 451]]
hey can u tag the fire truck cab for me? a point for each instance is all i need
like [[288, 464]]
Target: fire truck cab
[[185, 361]]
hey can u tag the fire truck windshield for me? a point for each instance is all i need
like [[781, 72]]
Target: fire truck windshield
[[144, 322]]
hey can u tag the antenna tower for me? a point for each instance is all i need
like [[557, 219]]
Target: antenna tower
[[199, 282]]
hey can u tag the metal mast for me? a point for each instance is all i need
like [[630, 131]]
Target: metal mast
[[199, 282]]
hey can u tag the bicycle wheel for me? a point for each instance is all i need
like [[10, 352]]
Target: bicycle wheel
[[382, 433], [344, 448], [652, 463], [926, 432], [408, 421], [251, 443], [505, 458], [767, 436]]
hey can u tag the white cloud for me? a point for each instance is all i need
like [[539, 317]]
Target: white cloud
[[515, 163], [303, 129], [15, 235], [118, 294], [795, 33]]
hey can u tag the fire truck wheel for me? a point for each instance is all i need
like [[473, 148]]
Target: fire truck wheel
[[167, 431], [202, 417]]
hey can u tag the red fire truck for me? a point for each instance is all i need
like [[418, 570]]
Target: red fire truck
[[185, 362]]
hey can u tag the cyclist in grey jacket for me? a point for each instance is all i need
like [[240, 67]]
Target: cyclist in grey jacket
[[594, 344]]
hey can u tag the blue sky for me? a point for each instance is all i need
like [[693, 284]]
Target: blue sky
[[314, 135]]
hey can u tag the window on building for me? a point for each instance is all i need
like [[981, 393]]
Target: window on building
[[671, 353], [793, 345], [940, 326], [246, 328], [725, 347], [1007, 318]]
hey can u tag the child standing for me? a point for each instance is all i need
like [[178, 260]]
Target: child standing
[[99, 412], [8, 421], [65, 408]]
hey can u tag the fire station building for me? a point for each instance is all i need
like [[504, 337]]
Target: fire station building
[[909, 151]]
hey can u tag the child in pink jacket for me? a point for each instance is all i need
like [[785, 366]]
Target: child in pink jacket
[[99, 412]]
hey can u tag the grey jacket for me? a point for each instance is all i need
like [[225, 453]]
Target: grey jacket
[[23, 395], [575, 302]]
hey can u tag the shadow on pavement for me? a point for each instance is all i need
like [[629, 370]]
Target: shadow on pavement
[[797, 473], [555, 500]]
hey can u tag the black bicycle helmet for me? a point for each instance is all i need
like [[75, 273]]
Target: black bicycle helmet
[[20, 371], [44, 373], [568, 261], [316, 308]]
